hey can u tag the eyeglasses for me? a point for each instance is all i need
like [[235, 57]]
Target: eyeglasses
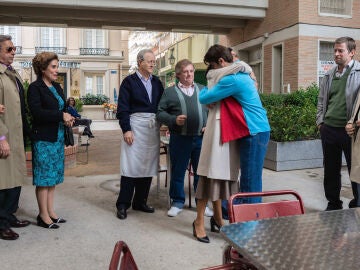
[[10, 49]]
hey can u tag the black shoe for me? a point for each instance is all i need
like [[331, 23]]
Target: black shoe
[[353, 204], [332, 207], [19, 223], [204, 239], [8, 234], [144, 208], [91, 136], [42, 223], [121, 213], [58, 220], [214, 226]]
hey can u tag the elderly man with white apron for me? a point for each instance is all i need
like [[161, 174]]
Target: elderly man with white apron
[[139, 96]]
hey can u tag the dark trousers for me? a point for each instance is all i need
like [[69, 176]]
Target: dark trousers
[[9, 203], [84, 122], [127, 187], [335, 141], [182, 150]]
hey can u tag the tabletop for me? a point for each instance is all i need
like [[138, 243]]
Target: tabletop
[[322, 240]]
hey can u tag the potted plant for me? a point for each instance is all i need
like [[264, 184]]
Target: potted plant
[[294, 138], [93, 106]]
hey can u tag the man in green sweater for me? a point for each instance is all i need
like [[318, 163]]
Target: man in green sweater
[[339, 89], [181, 111]]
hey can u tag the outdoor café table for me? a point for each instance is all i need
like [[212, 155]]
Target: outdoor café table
[[322, 240]]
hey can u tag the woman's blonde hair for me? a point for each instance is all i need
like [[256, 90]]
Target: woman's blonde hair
[[42, 60]]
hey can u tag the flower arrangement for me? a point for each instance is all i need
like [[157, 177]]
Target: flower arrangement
[[110, 106]]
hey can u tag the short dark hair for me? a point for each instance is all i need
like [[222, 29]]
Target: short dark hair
[[42, 60], [350, 42], [216, 52], [4, 38]]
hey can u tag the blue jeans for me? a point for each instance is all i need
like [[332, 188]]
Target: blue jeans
[[252, 154], [182, 149]]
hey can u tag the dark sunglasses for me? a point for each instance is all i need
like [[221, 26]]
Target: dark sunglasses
[[10, 49]]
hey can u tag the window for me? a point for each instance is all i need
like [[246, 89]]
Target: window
[[277, 69], [341, 8], [12, 31], [94, 38], [326, 57], [94, 83], [88, 85], [51, 37], [99, 85]]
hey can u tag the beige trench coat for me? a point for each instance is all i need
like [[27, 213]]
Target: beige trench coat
[[217, 160], [12, 169]]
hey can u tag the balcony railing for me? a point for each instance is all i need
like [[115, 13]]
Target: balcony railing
[[94, 51], [57, 50]]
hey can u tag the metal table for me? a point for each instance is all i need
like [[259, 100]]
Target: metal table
[[322, 240]]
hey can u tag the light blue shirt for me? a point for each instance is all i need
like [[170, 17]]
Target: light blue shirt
[[147, 84]]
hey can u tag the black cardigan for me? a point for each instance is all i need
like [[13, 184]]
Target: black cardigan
[[134, 98], [44, 108]]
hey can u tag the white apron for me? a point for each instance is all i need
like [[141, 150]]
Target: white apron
[[141, 159]]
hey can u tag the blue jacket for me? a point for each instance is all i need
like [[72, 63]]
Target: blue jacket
[[133, 98], [242, 88]]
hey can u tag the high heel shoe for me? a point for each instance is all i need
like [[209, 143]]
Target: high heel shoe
[[58, 220], [214, 226], [42, 223], [204, 239]]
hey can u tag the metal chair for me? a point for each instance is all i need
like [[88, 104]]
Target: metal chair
[[122, 257], [162, 168], [190, 174], [255, 211]]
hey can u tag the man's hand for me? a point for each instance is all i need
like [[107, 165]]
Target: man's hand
[[2, 108], [180, 119], [4, 149], [129, 137], [350, 129]]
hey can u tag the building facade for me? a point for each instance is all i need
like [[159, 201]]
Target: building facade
[[292, 47], [92, 61]]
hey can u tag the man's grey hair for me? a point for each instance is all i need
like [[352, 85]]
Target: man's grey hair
[[4, 38], [140, 55]]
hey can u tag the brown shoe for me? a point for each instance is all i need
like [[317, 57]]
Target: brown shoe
[[8, 234], [19, 223]]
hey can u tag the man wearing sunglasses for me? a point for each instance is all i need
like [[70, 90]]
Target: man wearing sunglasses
[[12, 154]]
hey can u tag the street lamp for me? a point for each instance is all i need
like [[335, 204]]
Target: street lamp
[[172, 58]]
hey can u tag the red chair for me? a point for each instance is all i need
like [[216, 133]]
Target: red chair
[[122, 255], [255, 211], [229, 266]]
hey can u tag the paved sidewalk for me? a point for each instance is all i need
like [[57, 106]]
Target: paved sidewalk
[[87, 200]]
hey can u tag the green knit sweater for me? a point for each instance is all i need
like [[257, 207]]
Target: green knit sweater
[[174, 102]]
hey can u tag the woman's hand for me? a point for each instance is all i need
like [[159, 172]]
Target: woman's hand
[[68, 119], [2, 108], [129, 137]]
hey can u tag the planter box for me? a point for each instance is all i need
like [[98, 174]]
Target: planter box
[[282, 156], [93, 112]]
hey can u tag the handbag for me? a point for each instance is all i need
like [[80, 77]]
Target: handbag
[[69, 136]]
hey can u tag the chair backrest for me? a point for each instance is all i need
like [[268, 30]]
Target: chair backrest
[[255, 211], [122, 255]]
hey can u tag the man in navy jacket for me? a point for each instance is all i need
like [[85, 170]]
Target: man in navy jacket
[[139, 97]]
